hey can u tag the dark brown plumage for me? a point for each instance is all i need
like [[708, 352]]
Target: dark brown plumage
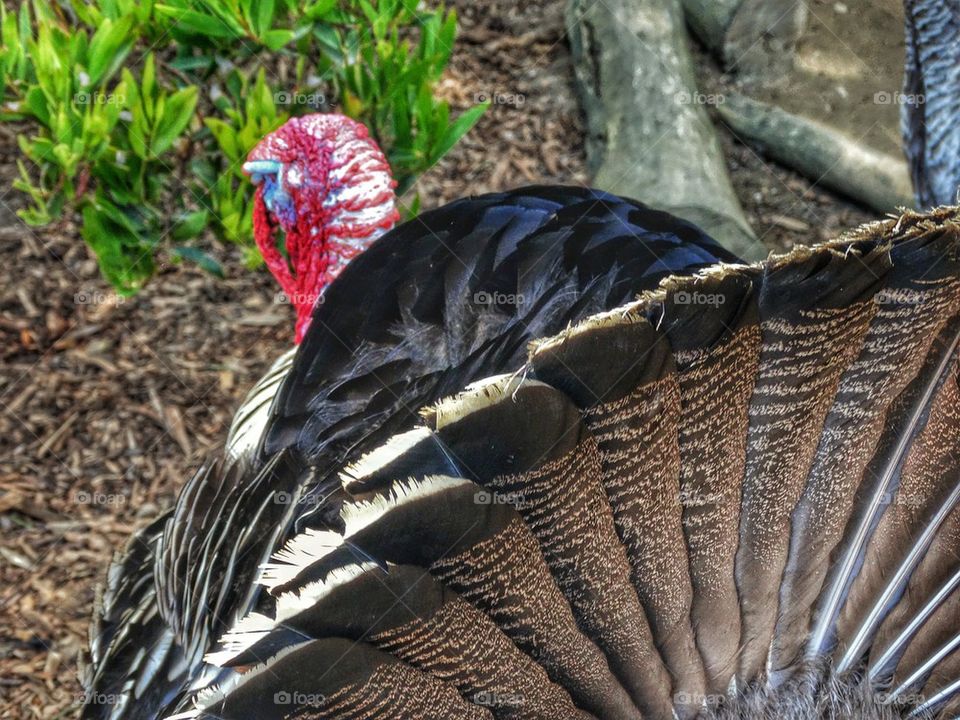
[[735, 497]]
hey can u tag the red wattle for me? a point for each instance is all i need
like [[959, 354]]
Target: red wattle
[[264, 233]]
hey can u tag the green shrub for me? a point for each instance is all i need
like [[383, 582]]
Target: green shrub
[[140, 114]]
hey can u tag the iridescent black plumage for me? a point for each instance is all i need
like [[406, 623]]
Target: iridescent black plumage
[[444, 298], [450, 297]]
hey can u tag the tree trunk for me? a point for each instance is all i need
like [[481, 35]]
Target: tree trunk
[[710, 20], [754, 38], [827, 157], [649, 136]]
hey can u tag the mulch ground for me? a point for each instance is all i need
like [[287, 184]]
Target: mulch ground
[[108, 405]]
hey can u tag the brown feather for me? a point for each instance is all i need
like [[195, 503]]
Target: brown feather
[[929, 474], [631, 404], [811, 330], [556, 485], [717, 357]]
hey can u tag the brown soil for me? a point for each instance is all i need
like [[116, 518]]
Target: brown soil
[[848, 71], [106, 407]]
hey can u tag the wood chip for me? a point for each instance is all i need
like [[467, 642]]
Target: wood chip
[[789, 223], [53, 440]]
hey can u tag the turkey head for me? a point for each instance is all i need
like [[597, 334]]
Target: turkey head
[[324, 193]]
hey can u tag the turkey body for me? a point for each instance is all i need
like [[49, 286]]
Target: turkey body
[[735, 497], [448, 298], [931, 107]]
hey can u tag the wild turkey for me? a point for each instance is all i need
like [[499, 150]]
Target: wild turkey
[[931, 105], [734, 497], [440, 301]]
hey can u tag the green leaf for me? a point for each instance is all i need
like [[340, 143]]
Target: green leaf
[[148, 87], [198, 256], [88, 14], [319, 9], [138, 130], [36, 103], [401, 121], [177, 113], [229, 12], [125, 260], [330, 43], [143, 10], [263, 18], [445, 40], [429, 31], [131, 90], [247, 11], [424, 107], [413, 209], [24, 21], [108, 49], [457, 129], [12, 52], [197, 23], [191, 224], [276, 39], [192, 63], [225, 136], [370, 12], [42, 212]]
